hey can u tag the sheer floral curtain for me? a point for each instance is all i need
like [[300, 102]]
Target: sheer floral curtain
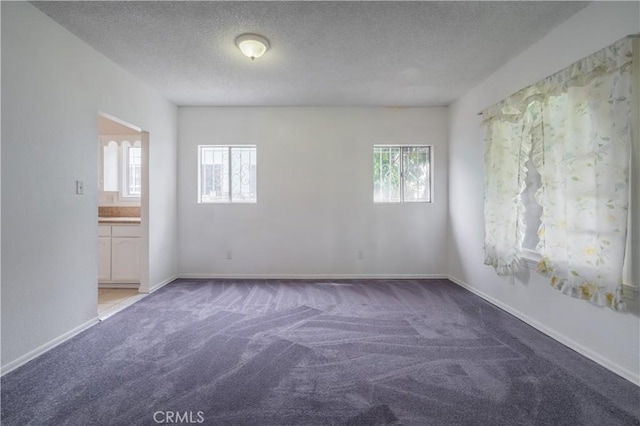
[[502, 210], [577, 126]]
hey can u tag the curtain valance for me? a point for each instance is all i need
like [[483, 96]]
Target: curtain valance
[[615, 57]]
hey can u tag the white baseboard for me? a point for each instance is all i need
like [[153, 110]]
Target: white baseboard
[[71, 333], [162, 283], [10, 366], [615, 368], [68, 335], [118, 285], [314, 276]]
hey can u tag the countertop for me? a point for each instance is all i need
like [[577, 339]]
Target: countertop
[[118, 220]]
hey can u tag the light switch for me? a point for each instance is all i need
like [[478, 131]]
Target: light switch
[[79, 187]]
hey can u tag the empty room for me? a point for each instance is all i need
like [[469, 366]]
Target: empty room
[[320, 213]]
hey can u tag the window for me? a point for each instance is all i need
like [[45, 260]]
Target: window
[[132, 176], [532, 209], [121, 167], [109, 168], [557, 181], [401, 174], [227, 174]]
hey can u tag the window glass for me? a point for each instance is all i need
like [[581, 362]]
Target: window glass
[[533, 210], [227, 174], [134, 171], [386, 174], [401, 174], [415, 161], [110, 167]]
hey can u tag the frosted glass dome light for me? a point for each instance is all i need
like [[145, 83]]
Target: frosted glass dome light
[[252, 45]]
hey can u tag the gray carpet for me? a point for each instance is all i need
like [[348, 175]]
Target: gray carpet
[[357, 352]]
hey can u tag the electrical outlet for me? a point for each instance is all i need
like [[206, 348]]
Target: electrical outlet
[[79, 187], [229, 255]]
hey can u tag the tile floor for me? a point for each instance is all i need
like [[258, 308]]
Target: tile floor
[[111, 300]]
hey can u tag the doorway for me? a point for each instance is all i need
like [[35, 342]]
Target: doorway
[[122, 220]]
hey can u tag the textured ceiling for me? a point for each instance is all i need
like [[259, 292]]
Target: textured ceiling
[[322, 53]]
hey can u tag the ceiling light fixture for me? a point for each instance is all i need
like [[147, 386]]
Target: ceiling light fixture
[[252, 45]]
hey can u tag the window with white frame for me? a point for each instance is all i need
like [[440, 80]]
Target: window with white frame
[[132, 171], [121, 167], [401, 174], [558, 180], [227, 174]]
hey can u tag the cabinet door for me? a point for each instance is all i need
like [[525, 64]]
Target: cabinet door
[[125, 259], [104, 259]]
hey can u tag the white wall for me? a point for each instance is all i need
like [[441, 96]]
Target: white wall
[[53, 86], [315, 195], [608, 337]]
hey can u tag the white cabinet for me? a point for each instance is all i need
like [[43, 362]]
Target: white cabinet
[[104, 230], [119, 250], [104, 259], [125, 259]]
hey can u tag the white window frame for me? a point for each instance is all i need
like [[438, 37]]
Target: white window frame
[[230, 199], [429, 173], [123, 142], [126, 172]]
